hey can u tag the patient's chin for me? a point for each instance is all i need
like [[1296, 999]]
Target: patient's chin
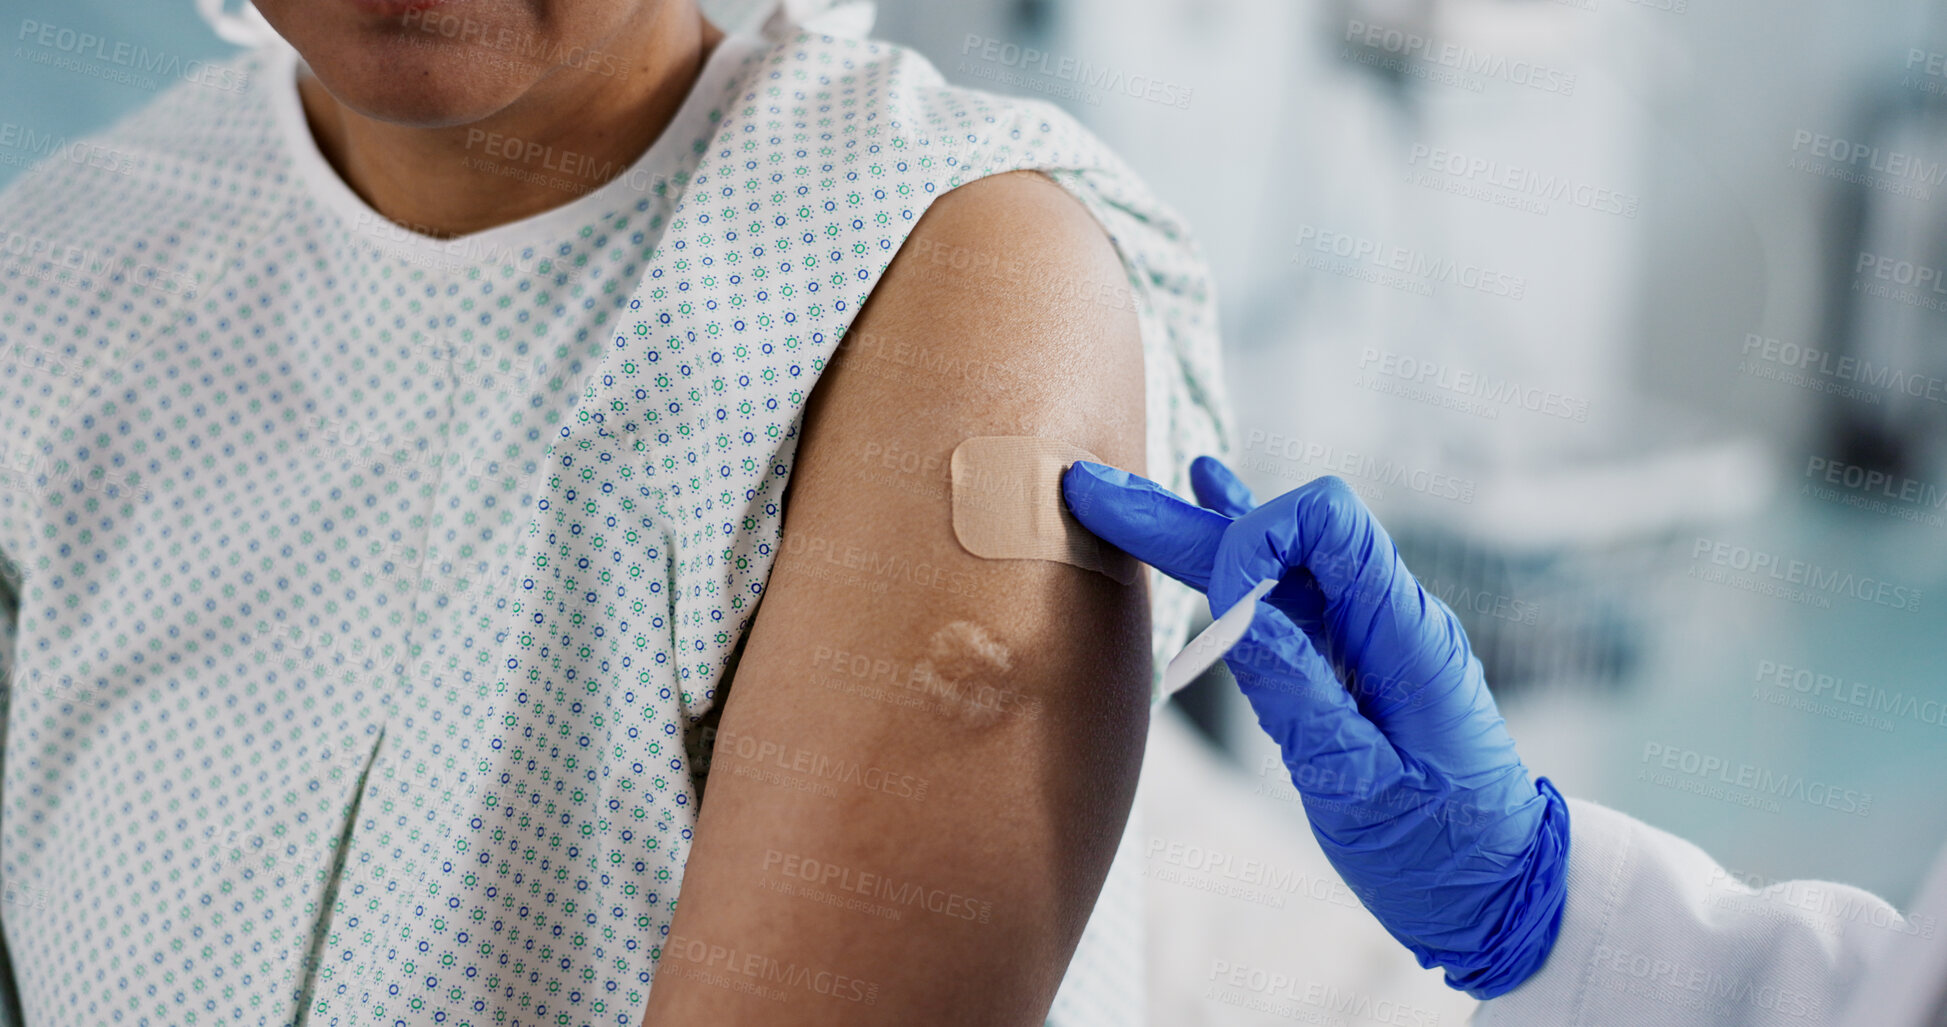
[[424, 91], [443, 65]]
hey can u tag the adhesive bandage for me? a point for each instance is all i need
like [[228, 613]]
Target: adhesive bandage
[[1007, 505]]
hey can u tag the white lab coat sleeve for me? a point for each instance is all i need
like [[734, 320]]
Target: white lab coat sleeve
[[1655, 931]]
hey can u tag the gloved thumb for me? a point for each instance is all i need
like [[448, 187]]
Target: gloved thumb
[[1145, 520], [1218, 489]]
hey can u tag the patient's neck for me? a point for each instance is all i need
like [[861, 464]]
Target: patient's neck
[[443, 182]]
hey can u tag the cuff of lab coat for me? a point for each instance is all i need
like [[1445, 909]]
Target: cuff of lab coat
[[1601, 843]]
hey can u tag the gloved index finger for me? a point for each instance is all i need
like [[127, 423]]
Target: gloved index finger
[[1145, 520]]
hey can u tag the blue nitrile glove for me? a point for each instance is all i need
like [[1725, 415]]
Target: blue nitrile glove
[[1366, 682]]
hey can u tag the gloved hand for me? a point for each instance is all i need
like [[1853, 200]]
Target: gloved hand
[[1409, 778]]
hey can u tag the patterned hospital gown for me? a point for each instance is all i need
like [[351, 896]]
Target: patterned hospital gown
[[362, 589]]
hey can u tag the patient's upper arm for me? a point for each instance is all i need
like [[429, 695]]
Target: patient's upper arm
[[927, 758]]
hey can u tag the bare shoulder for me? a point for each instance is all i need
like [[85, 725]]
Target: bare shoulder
[[1007, 697], [1008, 297], [1022, 217]]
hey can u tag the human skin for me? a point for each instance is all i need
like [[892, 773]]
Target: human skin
[[1029, 786], [399, 97], [1025, 800]]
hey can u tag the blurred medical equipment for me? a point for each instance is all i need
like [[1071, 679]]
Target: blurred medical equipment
[[1440, 204], [1888, 286]]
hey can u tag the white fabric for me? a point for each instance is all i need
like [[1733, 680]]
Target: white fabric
[[371, 584], [851, 19], [1656, 932], [1906, 981], [1249, 924], [245, 27]]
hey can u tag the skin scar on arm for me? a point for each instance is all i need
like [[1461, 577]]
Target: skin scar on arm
[[928, 757]]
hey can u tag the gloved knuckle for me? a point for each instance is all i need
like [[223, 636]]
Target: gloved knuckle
[[1338, 498]]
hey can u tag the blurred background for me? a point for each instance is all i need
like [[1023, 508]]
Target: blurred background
[[1627, 318]]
